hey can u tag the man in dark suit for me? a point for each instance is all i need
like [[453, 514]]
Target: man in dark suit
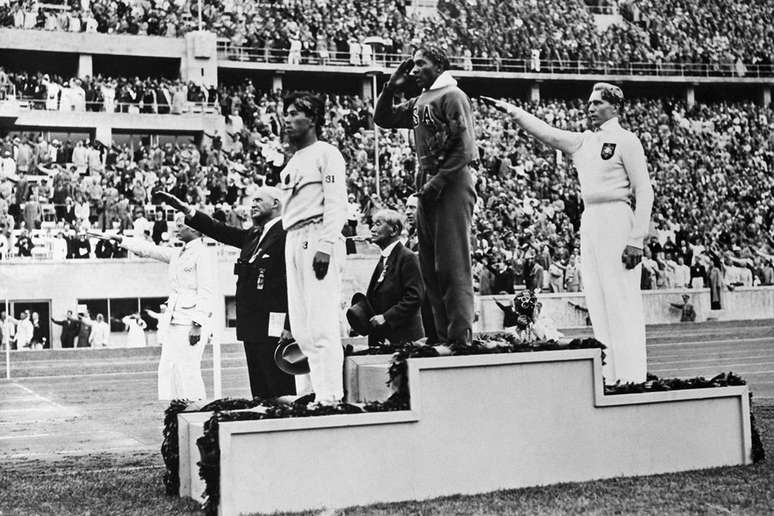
[[70, 328], [261, 294], [396, 288]]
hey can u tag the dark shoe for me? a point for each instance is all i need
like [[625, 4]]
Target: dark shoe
[[305, 399]]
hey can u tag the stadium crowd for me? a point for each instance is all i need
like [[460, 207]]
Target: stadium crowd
[[727, 36], [108, 94], [710, 165]]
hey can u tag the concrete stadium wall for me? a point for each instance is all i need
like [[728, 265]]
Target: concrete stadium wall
[[545, 420], [63, 282], [92, 43], [104, 124], [739, 304]]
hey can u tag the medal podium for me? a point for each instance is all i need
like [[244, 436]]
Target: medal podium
[[475, 424]]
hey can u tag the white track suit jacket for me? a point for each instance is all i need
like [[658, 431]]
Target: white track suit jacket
[[192, 279]]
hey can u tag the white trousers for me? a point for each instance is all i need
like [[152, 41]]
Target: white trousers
[[313, 308], [180, 367], [612, 292]]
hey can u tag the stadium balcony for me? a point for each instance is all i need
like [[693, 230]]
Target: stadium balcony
[[22, 114], [251, 57], [224, 55], [206, 59]]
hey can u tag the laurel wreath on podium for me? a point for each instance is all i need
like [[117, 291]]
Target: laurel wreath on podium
[[233, 409]]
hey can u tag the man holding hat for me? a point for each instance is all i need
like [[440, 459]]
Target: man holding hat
[[444, 131], [611, 168], [390, 308], [261, 292], [314, 211]]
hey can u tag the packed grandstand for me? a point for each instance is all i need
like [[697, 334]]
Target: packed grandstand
[[710, 160]]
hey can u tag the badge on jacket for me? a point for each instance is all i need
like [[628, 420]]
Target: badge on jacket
[[608, 149]]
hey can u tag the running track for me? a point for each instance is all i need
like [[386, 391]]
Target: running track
[[77, 402]]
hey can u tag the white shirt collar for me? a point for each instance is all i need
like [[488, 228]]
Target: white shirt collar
[[192, 243], [445, 79], [388, 250], [269, 225], [610, 124]]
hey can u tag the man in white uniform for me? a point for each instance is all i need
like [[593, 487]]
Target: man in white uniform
[[100, 333], [313, 213], [611, 167], [187, 322]]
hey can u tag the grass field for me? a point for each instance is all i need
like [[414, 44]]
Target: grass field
[[125, 484], [38, 477]]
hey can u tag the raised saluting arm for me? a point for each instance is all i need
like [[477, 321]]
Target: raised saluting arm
[[566, 141]]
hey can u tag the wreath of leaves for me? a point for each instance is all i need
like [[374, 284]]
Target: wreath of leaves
[[209, 465], [169, 447], [224, 410], [170, 451]]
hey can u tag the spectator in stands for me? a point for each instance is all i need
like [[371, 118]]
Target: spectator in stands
[[84, 330], [533, 273], [160, 228], [24, 330], [135, 326], [81, 248], [5, 244], [38, 341], [687, 312], [7, 166], [7, 330], [59, 247], [572, 276], [24, 244], [100, 333]]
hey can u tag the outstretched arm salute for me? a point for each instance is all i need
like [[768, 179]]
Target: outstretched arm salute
[[566, 141]]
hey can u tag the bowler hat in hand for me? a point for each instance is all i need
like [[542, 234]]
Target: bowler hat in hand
[[290, 359], [360, 313]]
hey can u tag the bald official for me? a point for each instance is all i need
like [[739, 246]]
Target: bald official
[[611, 168]]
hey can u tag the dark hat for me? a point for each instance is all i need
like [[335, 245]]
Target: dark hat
[[360, 313], [290, 359]]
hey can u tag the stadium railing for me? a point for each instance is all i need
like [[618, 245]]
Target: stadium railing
[[31, 103], [230, 52]]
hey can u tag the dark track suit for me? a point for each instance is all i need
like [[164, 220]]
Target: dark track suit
[[444, 131]]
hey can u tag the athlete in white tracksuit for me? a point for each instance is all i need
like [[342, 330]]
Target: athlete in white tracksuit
[[186, 325], [611, 167], [313, 213]]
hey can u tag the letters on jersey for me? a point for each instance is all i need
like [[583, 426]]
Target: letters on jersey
[[440, 137], [608, 149], [427, 118]]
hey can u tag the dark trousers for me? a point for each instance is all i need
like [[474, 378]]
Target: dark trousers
[[443, 228], [428, 321], [266, 379], [68, 341]]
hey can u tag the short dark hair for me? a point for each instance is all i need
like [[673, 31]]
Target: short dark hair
[[311, 104], [435, 54], [610, 93]]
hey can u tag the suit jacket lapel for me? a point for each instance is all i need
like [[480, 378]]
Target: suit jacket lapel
[[260, 246], [389, 264], [252, 239], [271, 236], [372, 283]]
